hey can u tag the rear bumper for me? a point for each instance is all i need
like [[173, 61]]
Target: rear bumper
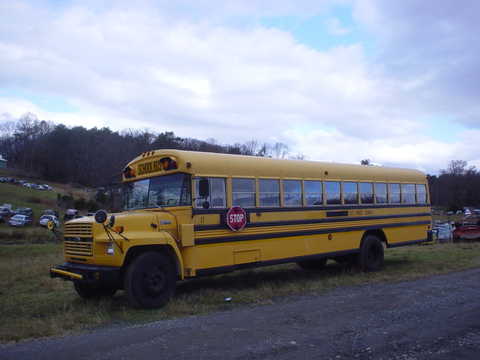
[[87, 273]]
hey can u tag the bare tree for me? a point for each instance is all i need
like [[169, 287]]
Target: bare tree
[[279, 150], [456, 167]]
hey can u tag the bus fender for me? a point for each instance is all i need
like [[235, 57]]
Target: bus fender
[[164, 240]]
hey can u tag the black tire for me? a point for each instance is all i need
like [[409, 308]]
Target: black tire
[[313, 265], [371, 255], [150, 280], [91, 291]]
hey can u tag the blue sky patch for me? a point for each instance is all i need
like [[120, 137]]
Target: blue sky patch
[[50, 103], [316, 31]]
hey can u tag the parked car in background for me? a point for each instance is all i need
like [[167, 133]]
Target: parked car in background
[[44, 219], [5, 212], [24, 211], [50, 212], [70, 214], [20, 220]]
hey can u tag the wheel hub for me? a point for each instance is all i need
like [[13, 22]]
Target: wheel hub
[[154, 282]]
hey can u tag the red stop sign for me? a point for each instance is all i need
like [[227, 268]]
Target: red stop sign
[[236, 218]]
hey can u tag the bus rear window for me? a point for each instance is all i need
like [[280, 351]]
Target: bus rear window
[[380, 193], [394, 193], [408, 193], [269, 192], [292, 192], [350, 193], [332, 192], [421, 194], [366, 193], [313, 192], [243, 192]]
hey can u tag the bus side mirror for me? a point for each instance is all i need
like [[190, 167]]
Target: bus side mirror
[[204, 188]]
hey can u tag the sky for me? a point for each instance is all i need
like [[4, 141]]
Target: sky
[[396, 82]]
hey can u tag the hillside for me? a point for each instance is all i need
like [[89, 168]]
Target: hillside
[[38, 200]]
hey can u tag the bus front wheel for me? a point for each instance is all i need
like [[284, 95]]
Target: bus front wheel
[[371, 255], [150, 280]]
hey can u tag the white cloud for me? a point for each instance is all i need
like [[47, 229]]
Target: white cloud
[[430, 51], [156, 66]]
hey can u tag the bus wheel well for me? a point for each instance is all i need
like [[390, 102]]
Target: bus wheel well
[[135, 251], [378, 233]]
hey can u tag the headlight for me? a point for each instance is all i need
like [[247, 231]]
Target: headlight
[[110, 249]]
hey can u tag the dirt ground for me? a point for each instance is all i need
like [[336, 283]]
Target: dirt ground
[[430, 318]]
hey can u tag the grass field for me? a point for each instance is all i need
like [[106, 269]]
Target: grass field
[[76, 191], [37, 200], [33, 305], [20, 196]]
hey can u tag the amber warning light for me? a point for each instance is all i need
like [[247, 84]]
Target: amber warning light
[[128, 172]]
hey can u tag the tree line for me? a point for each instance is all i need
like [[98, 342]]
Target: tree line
[[95, 157], [456, 187]]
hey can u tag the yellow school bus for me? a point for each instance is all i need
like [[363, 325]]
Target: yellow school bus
[[188, 214]]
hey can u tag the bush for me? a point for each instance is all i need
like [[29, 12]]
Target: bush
[[80, 204], [92, 206]]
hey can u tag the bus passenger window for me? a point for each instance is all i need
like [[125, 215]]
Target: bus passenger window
[[292, 192], [380, 193], [332, 192], [269, 192], [394, 193], [408, 193], [366, 193], [313, 192], [217, 197], [350, 193], [421, 194], [243, 192]]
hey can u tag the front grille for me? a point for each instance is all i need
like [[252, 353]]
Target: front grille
[[78, 230], [78, 239], [76, 248]]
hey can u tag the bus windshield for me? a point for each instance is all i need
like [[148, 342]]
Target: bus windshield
[[168, 190]]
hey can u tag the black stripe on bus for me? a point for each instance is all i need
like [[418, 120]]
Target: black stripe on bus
[[223, 226], [307, 208], [224, 239], [337, 213], [230, 268]]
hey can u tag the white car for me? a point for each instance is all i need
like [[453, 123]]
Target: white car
[[19, 220], [46, 218]]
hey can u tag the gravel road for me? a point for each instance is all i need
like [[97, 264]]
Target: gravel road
[[431, 318]]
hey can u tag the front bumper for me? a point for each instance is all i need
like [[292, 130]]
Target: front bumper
[[87, 273]]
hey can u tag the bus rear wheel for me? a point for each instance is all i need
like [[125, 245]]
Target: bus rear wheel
[[150, 280], [371, 256], [91, 291], [313, 265]]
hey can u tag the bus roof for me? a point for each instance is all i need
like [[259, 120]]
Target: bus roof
[[215, 164]]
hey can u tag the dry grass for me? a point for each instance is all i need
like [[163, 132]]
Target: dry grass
[[33, 305]]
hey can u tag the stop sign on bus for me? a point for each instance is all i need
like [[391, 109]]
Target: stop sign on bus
[[236, 218]]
